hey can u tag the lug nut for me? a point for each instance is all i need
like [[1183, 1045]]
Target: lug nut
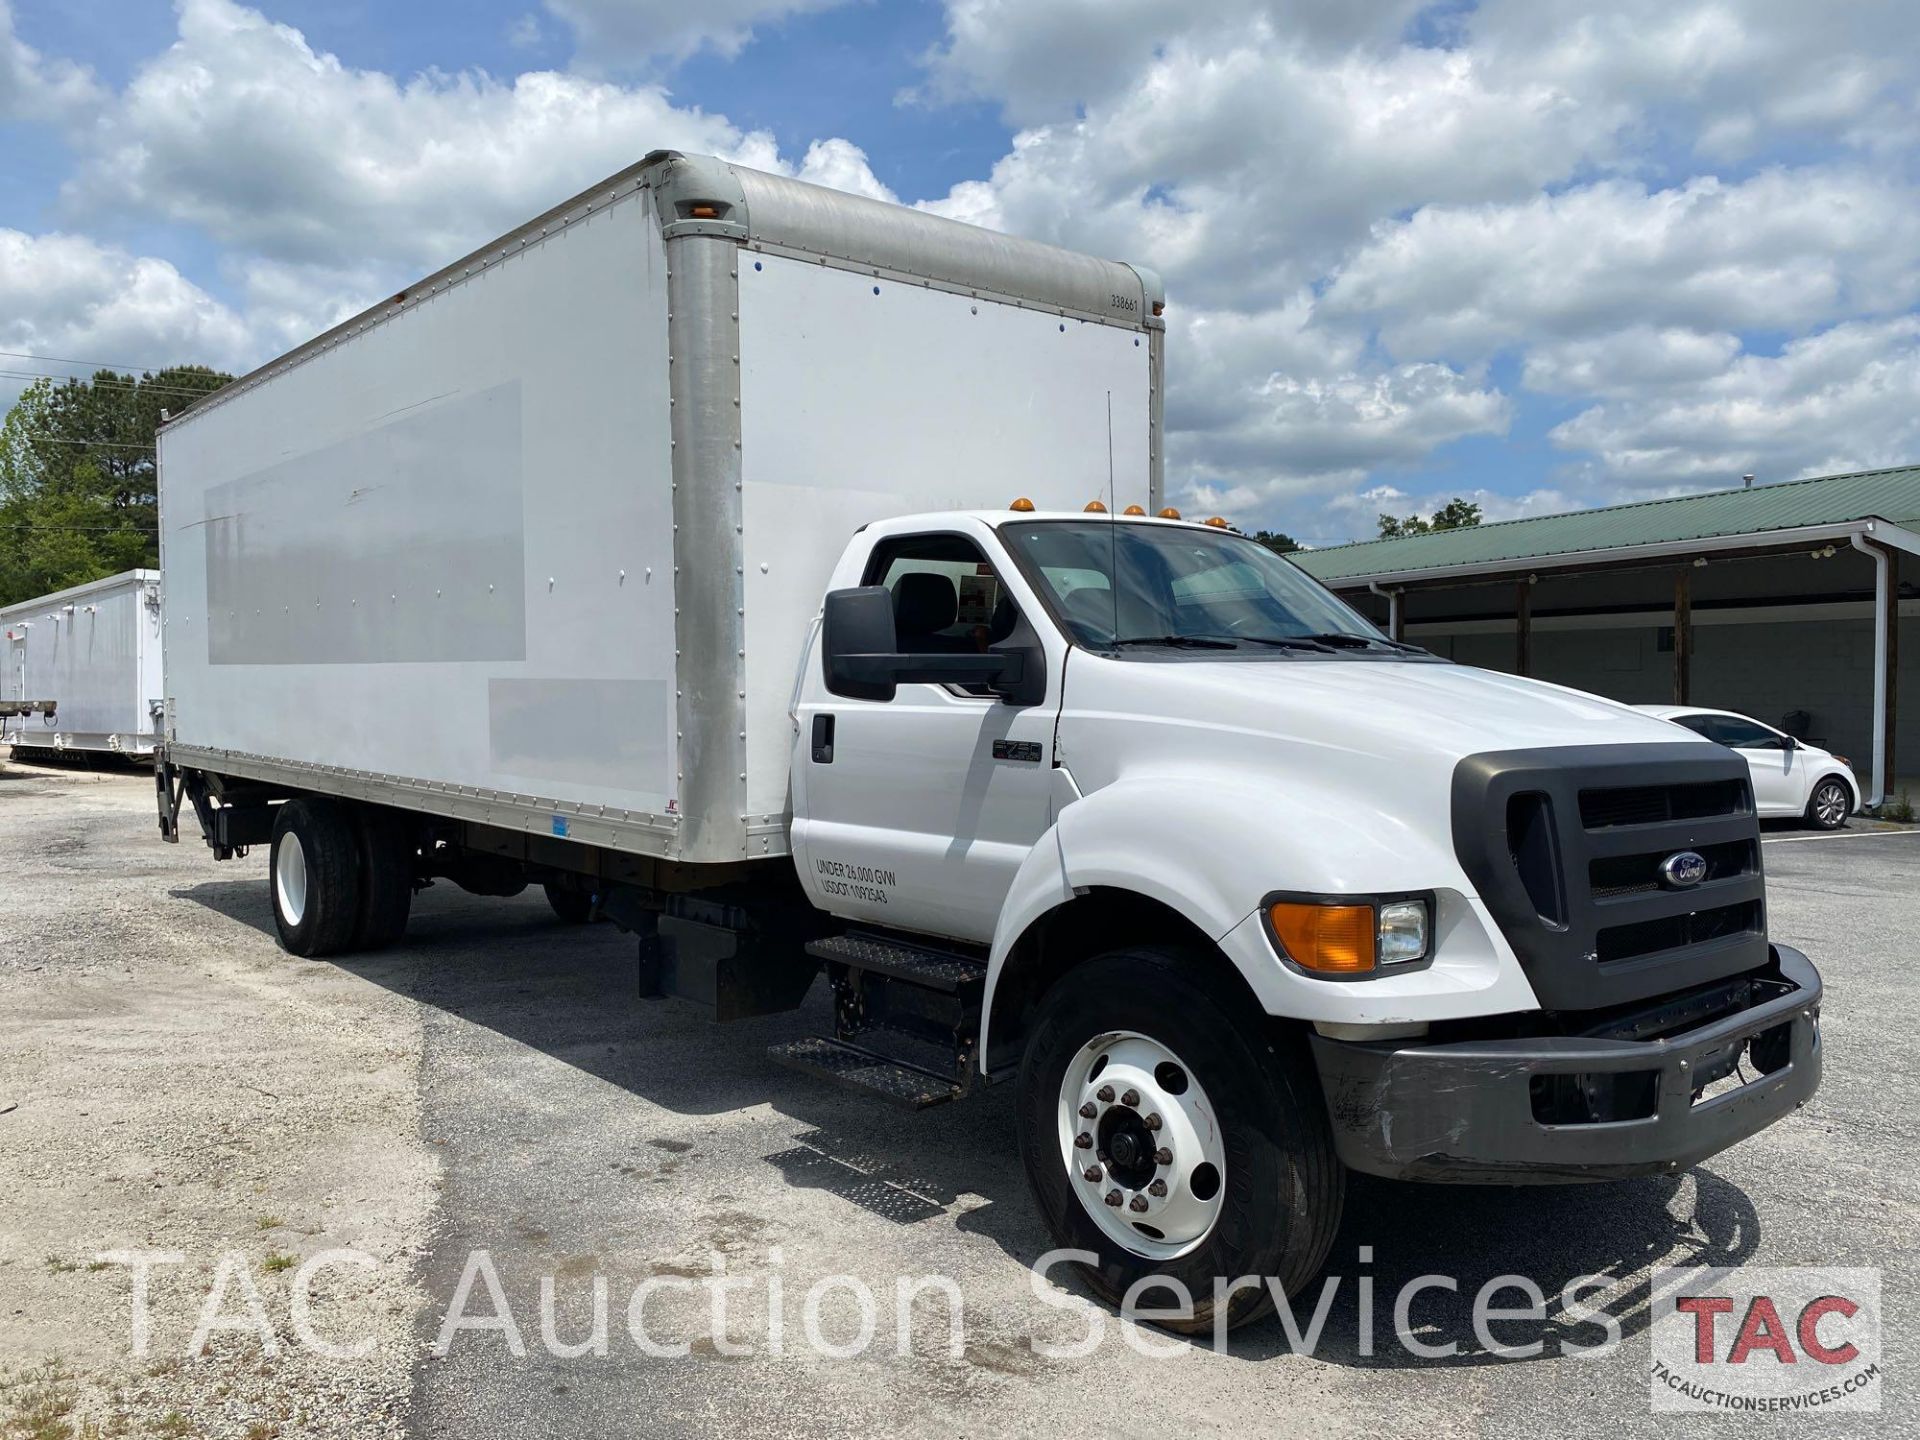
[[1153, 1121], [1163, 1156], [1089, 1110], [1083, 1141], [1104, 1094], [1130, 1099], [1138, 1204], [1157, 1189], [1091, 1174], [1113, 1198]]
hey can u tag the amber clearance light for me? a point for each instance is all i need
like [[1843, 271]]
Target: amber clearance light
[[1330, 939]]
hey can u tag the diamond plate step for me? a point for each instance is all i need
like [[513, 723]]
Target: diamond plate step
[[849, 1065], [943, 970]]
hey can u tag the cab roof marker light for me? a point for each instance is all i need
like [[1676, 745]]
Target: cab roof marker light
[[1095, 507], [1218, 522], [1169, 513], [1134, 510], [1023, 505]]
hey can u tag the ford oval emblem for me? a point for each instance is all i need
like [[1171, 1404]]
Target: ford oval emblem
[[1684, 870]]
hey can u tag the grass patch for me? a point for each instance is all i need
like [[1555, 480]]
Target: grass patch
[[37, 1403], [60, 1265], [274, 1263], [172, 1424], [267, 1222]]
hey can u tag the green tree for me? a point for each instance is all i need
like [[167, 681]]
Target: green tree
[[77, 477], [1456, 514], [1278, 541]]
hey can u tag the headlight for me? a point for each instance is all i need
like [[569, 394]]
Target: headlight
[[1349, 937], [1403, 932]]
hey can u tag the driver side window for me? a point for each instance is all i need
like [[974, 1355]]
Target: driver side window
[[946, 598]]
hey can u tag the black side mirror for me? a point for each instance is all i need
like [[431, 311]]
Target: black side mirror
[[858, 648], [856, 629]]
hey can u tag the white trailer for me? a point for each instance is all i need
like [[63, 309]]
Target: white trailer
[[93, 653], [536, 542], [783, 576]]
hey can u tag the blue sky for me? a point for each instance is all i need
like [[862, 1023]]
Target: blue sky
[[1541, 253]]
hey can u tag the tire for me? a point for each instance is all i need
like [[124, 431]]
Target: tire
[[574, 907], [313, 877], [1277, 1192], [1830, 803], [384, 841]]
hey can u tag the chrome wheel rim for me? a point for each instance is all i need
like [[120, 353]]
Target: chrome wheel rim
[[290, 879], [1830, 804], [1142, 1145]]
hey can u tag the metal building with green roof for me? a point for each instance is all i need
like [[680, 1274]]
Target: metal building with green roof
[[1783, 601]]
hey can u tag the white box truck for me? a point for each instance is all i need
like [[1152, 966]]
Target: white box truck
[[81, 669], [784, 576]]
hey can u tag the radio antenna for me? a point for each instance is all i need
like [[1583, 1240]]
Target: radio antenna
[[1113, 524]]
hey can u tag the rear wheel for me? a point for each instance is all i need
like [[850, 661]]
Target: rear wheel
[[1170, 1135], [1829, 804], [386, 853], [314, 877], [575, 907]]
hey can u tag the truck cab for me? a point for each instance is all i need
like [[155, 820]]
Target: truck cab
[[1251, 887]]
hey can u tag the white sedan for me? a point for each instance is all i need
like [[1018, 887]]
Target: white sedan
[[1790, 777]]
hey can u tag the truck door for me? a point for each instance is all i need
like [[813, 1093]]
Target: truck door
[[916, 812]]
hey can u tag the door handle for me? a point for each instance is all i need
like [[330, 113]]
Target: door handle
[[823, 739]]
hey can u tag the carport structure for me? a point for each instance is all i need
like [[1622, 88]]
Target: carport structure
[[1782, 601]]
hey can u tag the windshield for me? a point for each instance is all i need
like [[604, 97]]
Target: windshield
[[1116, 584]]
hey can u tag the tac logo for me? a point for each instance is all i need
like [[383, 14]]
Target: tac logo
[[1765, 1341]]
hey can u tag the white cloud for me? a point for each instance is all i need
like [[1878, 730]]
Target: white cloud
[[67, 296], [1846, 398], [241, 129], [613, 34], [1782, 251], [33, 87]]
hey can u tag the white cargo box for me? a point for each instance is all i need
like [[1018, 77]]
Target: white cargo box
[[94, 650], [538, 542]]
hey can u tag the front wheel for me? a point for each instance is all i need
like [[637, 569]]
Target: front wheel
[[1171, 1136], [1830, 804]]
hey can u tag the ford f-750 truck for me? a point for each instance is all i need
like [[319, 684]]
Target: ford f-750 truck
[[785, 577]]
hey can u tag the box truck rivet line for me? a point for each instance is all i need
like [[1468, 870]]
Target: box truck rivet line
[[1124, 810]]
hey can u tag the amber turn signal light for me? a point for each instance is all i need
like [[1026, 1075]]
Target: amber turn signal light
[[1330, 939]]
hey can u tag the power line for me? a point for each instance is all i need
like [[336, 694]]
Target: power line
[[145, 385], [81, 529], [112, 444], [95, 364]]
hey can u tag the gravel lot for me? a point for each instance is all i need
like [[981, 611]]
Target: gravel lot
[[179, 1084]]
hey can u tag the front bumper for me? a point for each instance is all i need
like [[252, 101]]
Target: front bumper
[[1467, 1112]]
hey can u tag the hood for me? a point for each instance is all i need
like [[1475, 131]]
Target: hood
[[1384, 709], [1346, 765]]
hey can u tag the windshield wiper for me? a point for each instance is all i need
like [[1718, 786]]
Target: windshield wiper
[[1362, 642], [1289, 642], [1175, 642]]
